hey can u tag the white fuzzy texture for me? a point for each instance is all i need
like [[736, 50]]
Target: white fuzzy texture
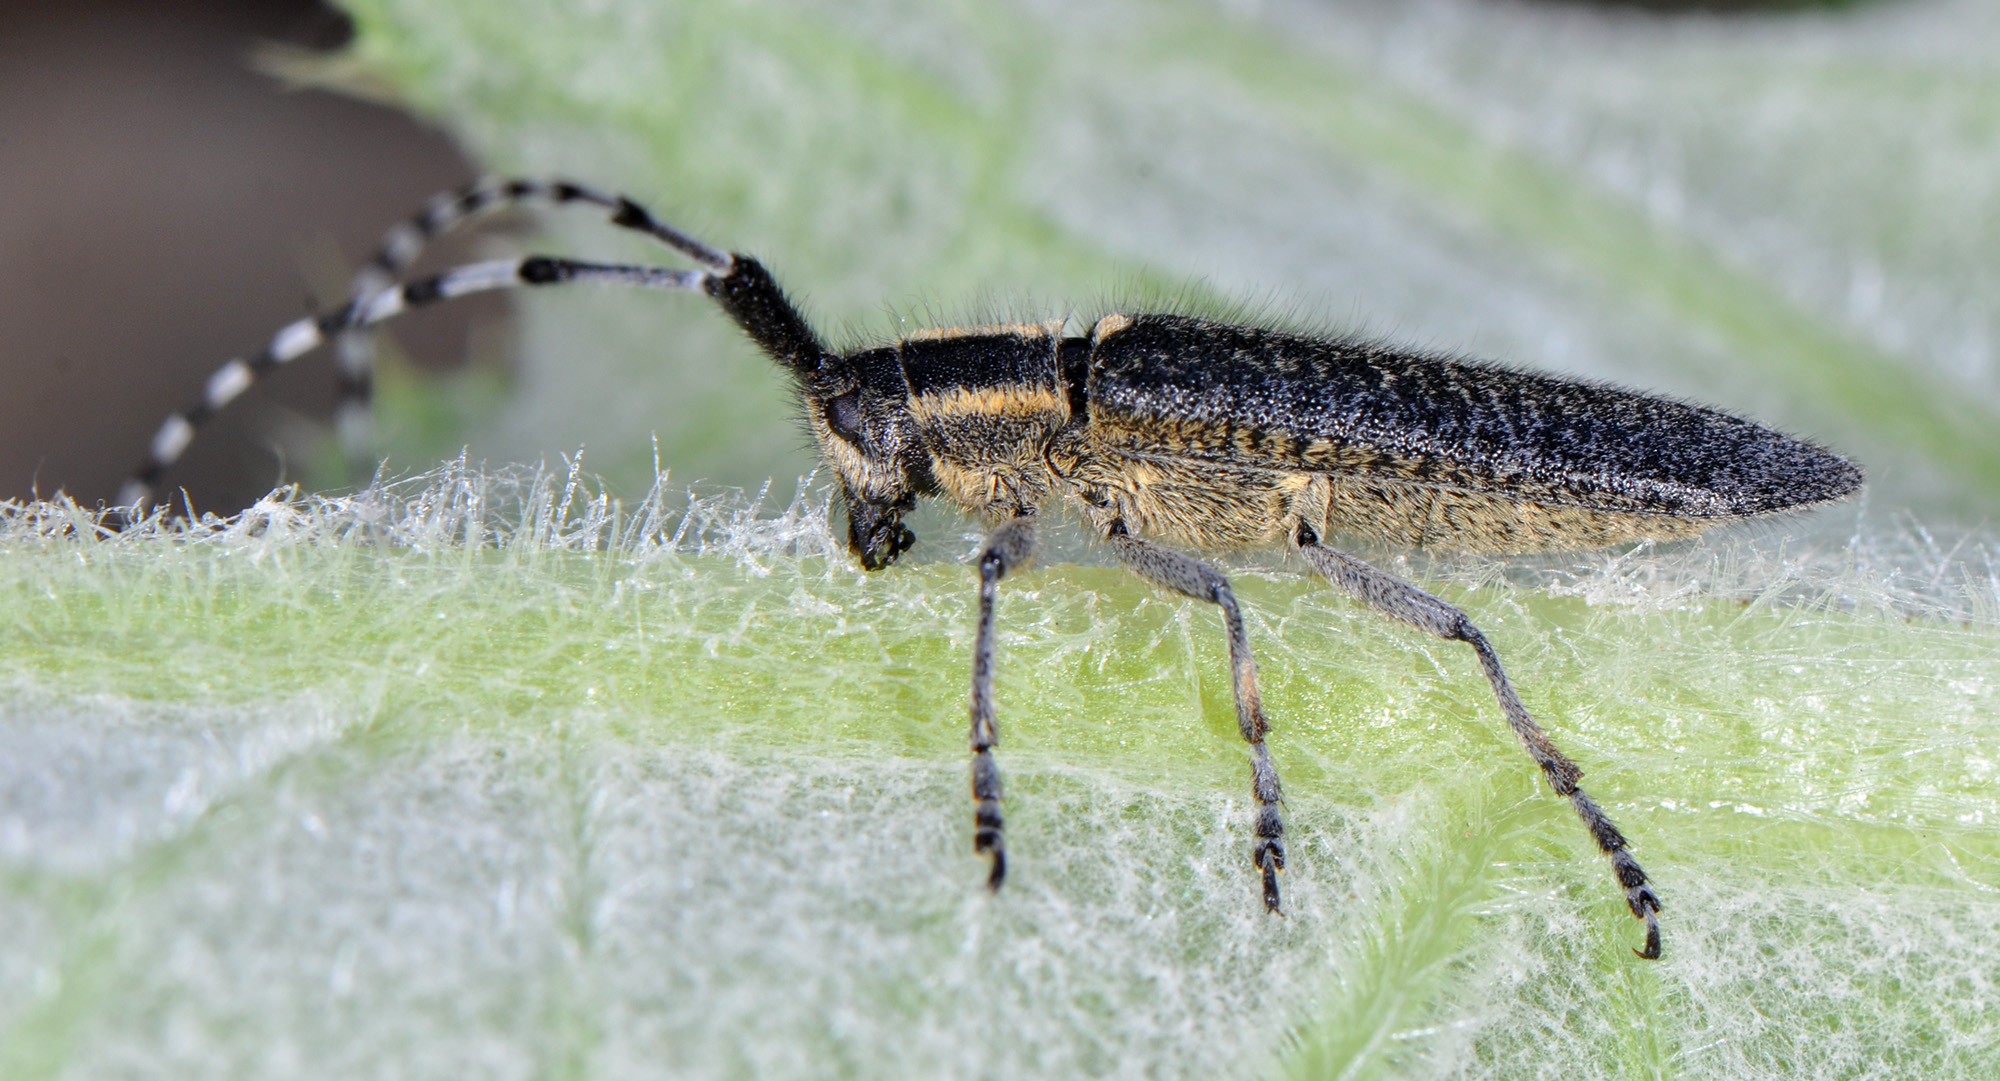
[[492, 773]]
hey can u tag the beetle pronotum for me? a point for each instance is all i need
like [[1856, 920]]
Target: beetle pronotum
[[1199, 433]]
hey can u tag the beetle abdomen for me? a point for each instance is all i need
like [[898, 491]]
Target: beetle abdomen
[[1445, 453]]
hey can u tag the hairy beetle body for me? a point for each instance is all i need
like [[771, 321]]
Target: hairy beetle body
[[1216, 435], [1167, 428]]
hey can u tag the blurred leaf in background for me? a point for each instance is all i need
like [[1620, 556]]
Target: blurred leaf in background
[[1790, 215]]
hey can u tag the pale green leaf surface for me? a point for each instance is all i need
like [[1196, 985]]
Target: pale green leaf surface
[[485, 775], [673, 788]]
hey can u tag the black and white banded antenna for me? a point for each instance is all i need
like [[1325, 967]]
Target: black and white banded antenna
[[378, 296]]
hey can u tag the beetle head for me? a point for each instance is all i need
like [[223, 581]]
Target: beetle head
[[876, 533], [868, 438]]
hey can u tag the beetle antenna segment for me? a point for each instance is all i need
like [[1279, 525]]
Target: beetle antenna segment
[[748, 294], [301, 337], [404, 242], [1409, 605], [1011, 546], [1190, 577]]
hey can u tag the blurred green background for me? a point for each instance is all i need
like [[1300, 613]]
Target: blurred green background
[[327, 792], [1792, 216]]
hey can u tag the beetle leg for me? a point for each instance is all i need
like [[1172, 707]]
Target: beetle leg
[[1407, 604], [1191, 577], [1009, 547]]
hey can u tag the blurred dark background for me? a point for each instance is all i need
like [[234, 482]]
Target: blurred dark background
[[166, 208]]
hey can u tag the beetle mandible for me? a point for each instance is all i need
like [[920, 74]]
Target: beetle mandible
[[1202, 434]]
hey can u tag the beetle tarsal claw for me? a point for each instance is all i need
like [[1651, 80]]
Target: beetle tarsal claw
[[1270, 863], [1652, 950]]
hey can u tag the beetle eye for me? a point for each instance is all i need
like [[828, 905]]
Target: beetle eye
[[843, 415]]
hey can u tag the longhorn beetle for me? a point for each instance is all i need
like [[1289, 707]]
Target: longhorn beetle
[[1201, 434]]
